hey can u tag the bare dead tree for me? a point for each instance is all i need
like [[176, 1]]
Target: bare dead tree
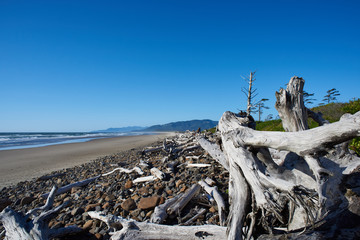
[[250, 92]]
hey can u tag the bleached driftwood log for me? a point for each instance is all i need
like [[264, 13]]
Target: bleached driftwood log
[[157, 173], [184, 199], [198, 165], [215, 152], [34, 224], [194, 218], [160, 213], [209, 181], [286, 196], [144, 179], [214, 192], [151, 150], [82, 183], [124, 229]]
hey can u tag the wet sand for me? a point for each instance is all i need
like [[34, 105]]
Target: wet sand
[[24, 164]]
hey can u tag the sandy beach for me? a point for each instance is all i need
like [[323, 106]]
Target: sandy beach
[[24, 164]]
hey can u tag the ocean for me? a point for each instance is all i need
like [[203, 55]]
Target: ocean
[[19, 140]]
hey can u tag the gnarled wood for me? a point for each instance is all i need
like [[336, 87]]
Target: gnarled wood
[[215, 151], [290, 106], [82, 183], [131, 230], [34, 225], [213, 192], [181, 202], [160, 213]]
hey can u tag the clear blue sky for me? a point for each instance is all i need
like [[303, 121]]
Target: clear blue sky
[[86, 65]]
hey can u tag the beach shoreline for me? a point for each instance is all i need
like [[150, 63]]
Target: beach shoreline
[[25, 164]]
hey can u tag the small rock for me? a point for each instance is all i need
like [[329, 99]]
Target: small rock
[[26, 200], [128, 184], [109, 197], [212, 209], [183, 189], [178, 182], [143, 191], [148, 202], [149, 213], [98, 194], [106, 205], [91, 207], [88, 224], [128, 205], [135, 213], [4, 203], [98, 236], [75, 189], [172, 183], [135, 197], [77, 211], [57, 225], [158, 186], [88, 197]]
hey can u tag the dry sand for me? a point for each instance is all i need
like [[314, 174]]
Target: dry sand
[[24, 164]]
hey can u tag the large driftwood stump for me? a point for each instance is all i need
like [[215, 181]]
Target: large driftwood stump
[[300, 190]]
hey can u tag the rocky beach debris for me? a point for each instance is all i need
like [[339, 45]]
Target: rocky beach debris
[[119, 195]]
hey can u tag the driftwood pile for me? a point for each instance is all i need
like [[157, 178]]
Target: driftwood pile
[[289, 182], [174, 183], [298, 184]]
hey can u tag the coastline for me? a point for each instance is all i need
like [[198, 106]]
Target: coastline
[[25, 164]]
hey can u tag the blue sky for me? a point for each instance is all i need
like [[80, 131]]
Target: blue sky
[[86, 65]]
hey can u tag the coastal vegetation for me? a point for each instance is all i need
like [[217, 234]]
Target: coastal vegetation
[[331, 112]]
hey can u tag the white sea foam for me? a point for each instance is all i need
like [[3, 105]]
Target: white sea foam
[[26, 140]]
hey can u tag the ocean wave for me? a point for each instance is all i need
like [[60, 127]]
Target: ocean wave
[[22, 140]]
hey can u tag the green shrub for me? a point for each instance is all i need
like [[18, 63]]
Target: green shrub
[[213, 130], [331, 112], [272, 125], [352, 106], [355, 145]]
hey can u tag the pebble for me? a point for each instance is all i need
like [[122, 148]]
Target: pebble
[[148, 202], [77, 211], [91, 207], [128, 184], [129, 204], [4, 203], [26, 200], [88, 224]]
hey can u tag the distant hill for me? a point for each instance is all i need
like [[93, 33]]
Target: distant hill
[[183, 126], [122, 129]]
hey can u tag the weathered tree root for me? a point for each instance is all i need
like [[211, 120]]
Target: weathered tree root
[[19, 226]]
